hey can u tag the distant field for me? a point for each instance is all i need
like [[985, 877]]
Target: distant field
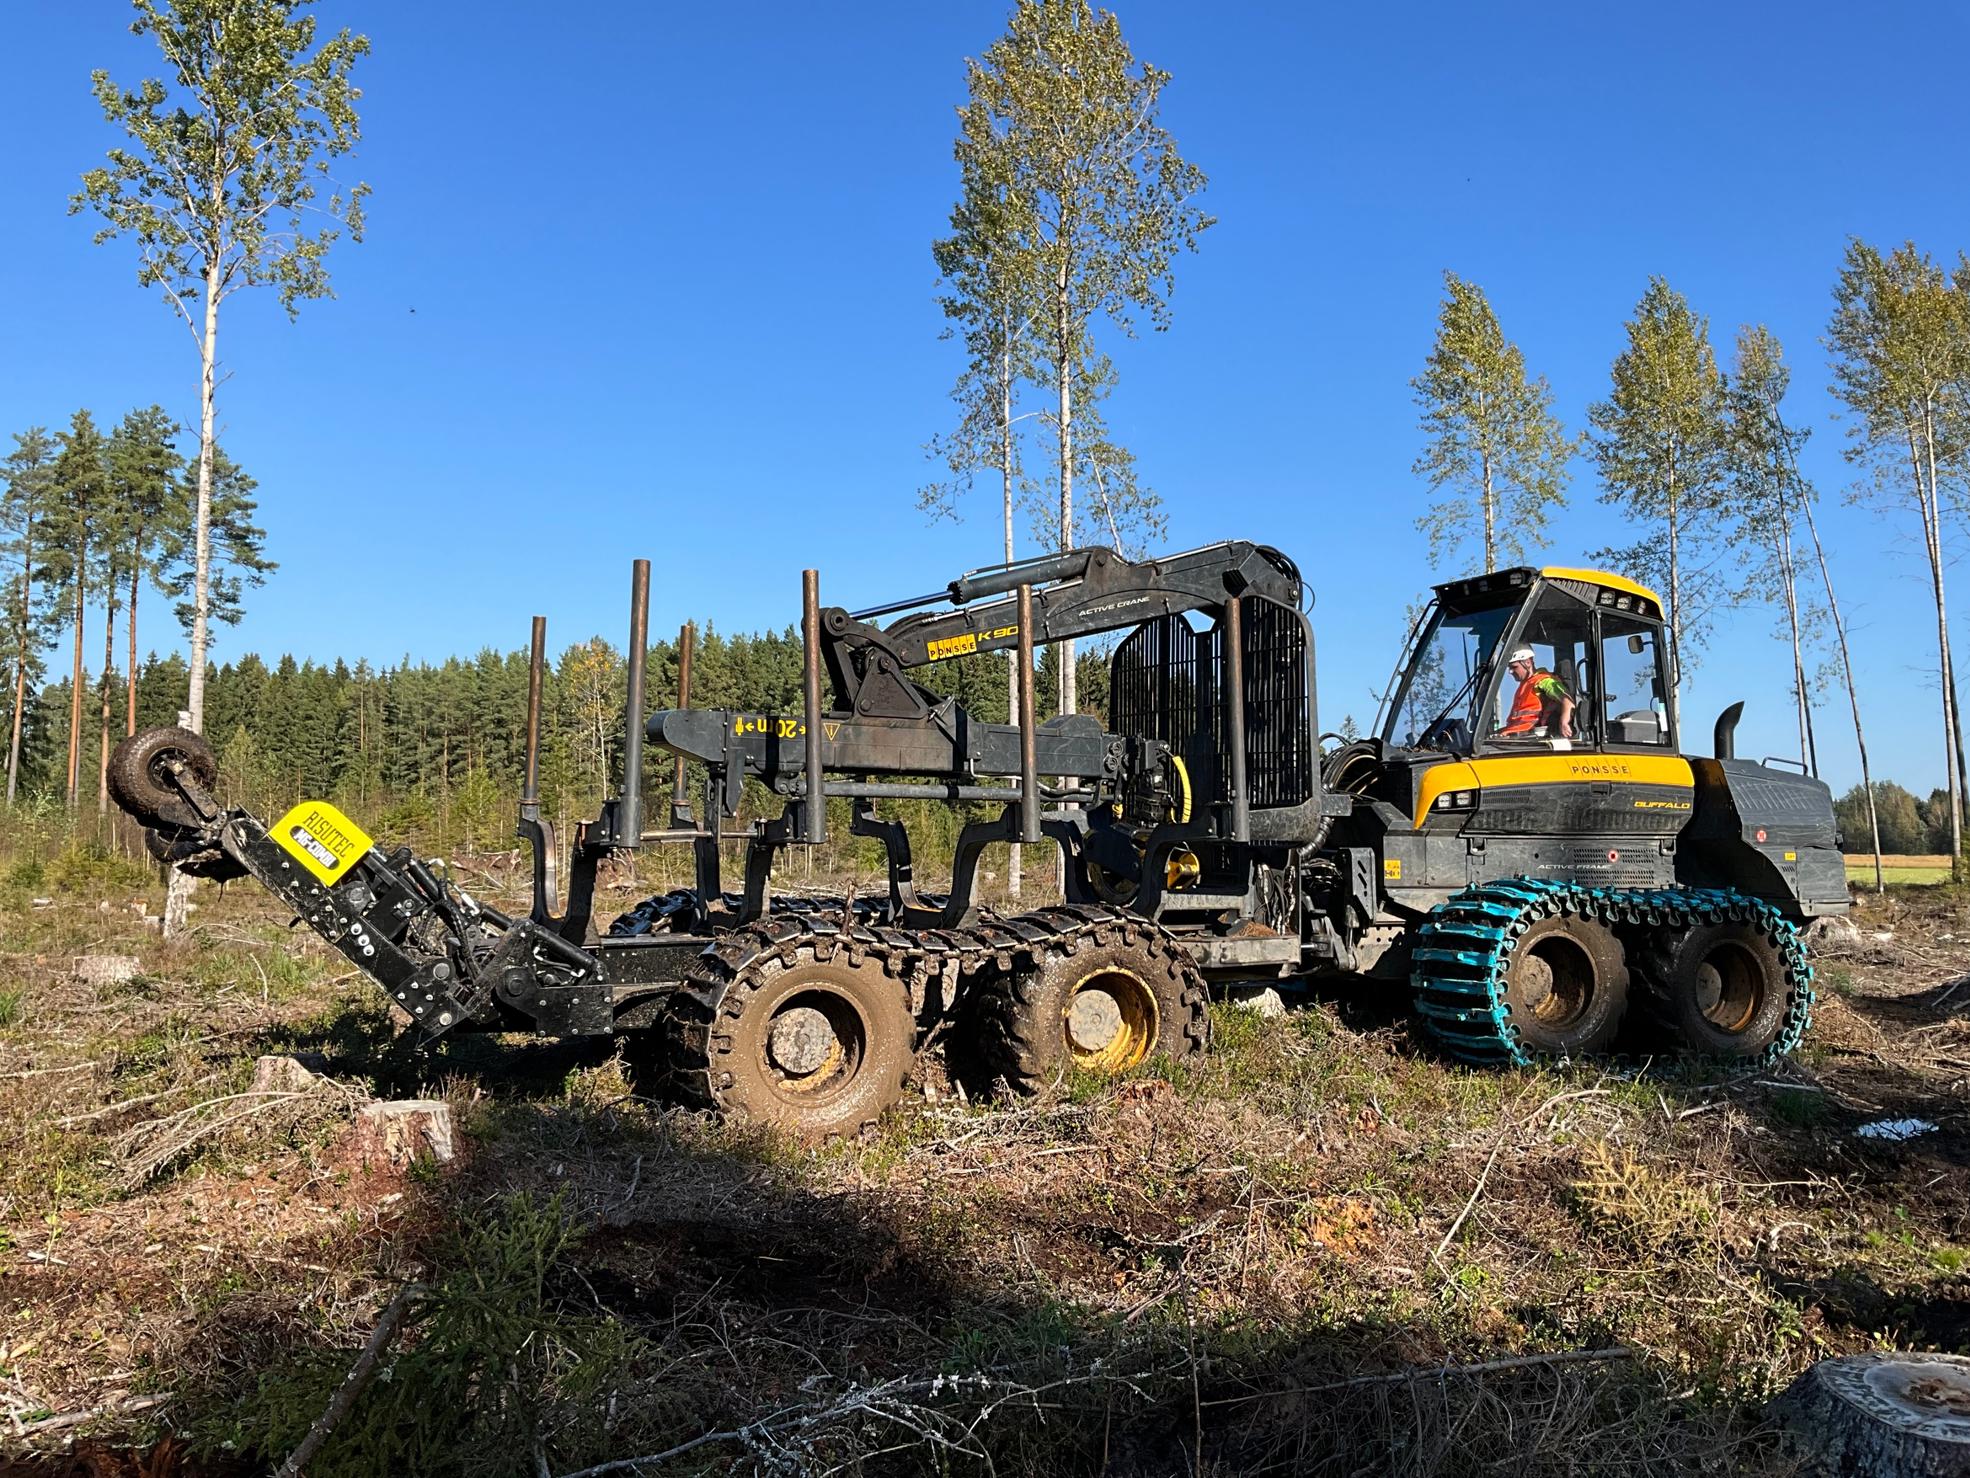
[[1897, 867]]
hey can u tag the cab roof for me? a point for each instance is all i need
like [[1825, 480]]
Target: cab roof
[[1503, 581]]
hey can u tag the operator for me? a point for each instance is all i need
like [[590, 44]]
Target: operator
[[1538, 689]]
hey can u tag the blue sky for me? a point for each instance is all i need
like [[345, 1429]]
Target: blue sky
[[655, 279]]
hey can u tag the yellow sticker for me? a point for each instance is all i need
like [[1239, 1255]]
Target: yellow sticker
[[321, 839], [832, 730], [1791, 856], [953, 646], [1392, 869]]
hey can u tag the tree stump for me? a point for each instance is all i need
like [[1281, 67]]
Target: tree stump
[[282, 1075], [106, 969], [1881, 1415], [401, 1133]]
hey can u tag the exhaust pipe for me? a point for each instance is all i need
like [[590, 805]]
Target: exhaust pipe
[[810, 702], [1726, 736]]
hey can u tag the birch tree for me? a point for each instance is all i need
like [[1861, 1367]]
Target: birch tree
[[1770, 497], [1900, 339], [226, 185], [1492, 444], [1662, 442], [25, 508], [988, 306], [1061, 128]]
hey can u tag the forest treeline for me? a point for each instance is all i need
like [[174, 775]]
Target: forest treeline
[[435, 750]]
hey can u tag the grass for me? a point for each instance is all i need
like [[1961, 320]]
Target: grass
[[1208, 1266], [1861, 870]]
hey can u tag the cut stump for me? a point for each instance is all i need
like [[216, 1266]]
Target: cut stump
[[401, 1133], [106, 969], [1903, 1414]]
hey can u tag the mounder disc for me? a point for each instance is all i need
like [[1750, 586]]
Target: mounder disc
[[141, 782], [1100, 1003], [819, 1047]]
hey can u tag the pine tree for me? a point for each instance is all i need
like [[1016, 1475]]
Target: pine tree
[[144, 468], [75, 554], [28, 474], [1491, 436]]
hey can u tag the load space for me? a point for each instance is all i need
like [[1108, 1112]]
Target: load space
[[1523, 846]]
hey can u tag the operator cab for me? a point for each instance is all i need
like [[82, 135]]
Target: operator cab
[[1598, 674]]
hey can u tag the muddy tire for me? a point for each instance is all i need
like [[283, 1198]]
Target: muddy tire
[[1101, 1002], [818, 1047], [141, 782], [1722, 989], [1566, 987]]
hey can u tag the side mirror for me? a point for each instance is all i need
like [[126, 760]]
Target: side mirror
[[1635, 643]]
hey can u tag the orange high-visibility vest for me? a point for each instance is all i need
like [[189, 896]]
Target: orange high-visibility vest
[[1527, 705]]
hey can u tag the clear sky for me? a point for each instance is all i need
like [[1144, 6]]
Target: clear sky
[[648, 279]]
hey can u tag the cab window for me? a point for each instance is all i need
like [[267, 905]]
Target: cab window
[[1631, 688], [1537, 702]]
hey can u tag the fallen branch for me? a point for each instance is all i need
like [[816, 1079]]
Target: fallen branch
[[1444, 1372], [1476, 1191], [352, 1385], [128, 1407]]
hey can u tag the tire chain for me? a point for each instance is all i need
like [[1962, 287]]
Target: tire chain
[[719, 982], [1462, 952]]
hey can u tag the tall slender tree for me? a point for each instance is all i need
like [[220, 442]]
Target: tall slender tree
[[1900, 338], [75, 555], [223, 186], [1061, 128], [25, 508], [990, 308], [1490, 436], [1662, 442], [145, 470], [1769, 497]]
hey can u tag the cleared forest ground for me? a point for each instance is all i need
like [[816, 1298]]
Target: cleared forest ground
[[1322, 1249]]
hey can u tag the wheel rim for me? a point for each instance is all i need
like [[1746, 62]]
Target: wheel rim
[[813, 1047], [1556, 980], [1729, 986], [1110, 1021]]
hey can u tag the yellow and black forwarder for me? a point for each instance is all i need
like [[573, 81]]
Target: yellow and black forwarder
[[1522, 842]]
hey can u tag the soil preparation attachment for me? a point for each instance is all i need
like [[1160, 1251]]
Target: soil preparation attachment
[[1522, 846]]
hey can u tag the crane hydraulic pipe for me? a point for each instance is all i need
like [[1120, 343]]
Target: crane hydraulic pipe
[[1234, 716]]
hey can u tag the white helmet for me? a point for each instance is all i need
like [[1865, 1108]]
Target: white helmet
[[1522, 654]]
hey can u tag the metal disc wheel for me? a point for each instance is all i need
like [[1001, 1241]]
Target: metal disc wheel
[[816, 1047], [1566, 987], [1101, 1004], [1723, 989], [141, 781]]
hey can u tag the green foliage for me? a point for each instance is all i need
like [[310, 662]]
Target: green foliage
[[10, 1006], [237, 557], [1662, 440], [222, 188], [503, 1368], [1491, 437]]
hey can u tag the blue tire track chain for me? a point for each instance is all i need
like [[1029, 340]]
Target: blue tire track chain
[[1465, 948]]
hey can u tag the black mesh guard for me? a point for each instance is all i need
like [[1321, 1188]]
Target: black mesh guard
[[1166, 682]]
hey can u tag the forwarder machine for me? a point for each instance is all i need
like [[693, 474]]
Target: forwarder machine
[[1530, 881]]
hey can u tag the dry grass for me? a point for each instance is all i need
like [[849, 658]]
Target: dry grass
[[1318, 1250]]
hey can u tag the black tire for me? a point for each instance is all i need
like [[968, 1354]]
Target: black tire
[[726, 1050], [1722, 989], [1137, 995], [192, 852], [142, 785], [1566, 987]]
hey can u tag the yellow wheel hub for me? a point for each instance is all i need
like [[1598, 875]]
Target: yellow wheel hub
[[1110, 1021]]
